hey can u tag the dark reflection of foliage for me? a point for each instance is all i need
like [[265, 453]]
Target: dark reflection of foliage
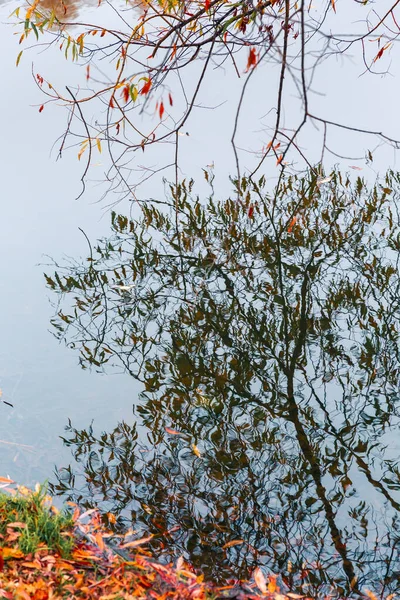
[[266, 332]]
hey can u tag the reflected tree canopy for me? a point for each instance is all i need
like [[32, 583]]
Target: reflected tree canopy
[[266, 334]]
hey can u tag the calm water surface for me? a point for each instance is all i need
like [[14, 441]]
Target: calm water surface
[[40, 217]]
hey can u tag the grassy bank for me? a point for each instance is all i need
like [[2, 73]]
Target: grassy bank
[[49, 554]]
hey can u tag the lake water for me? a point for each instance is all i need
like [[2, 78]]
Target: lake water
[[229, 486]]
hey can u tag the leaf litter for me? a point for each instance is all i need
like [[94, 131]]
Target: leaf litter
[[73, 555]]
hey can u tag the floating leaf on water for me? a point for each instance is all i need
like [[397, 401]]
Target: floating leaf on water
[[137, 542], [260, 580], [233, 543]]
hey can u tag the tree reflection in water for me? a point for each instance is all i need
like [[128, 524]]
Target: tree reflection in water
[[266, 333]]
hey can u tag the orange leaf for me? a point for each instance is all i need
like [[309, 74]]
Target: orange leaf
[[40, 595], [146, 88], [333, 5], [32, 564], [99, 540], [161, 109], [260, 580], [292, 224], [233, 543], [9, 553], [172, 431], [272, 587], [279, 159], [17, 524], [6, 480]]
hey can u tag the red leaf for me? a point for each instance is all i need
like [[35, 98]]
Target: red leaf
[[111, 103], [125, 92], [146, 88], [88, 73], [251, 211], [381, 51], [207, 4], [161, 109], [252, 59], [170, 100], [41, 108]]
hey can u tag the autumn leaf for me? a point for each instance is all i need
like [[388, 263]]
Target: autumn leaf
[[196, 450], [41, 108], [279, 159], [333, 4], [250, 212], [233, 543], [207, 5], [146, 88], [87, 72], [252, 59], [260, 580], [272, 586], [83, 148], [135, 543], [6, 480], [126, 92], [171, 102], [161, 110], [10, 553], [291, 224], [381, 51], [172, 431]]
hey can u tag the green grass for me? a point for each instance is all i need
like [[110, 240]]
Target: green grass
[[43, 526]]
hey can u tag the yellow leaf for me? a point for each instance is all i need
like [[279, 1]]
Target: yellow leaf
[[196, 450], [82, 150], [98, 143], [18, 58]]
